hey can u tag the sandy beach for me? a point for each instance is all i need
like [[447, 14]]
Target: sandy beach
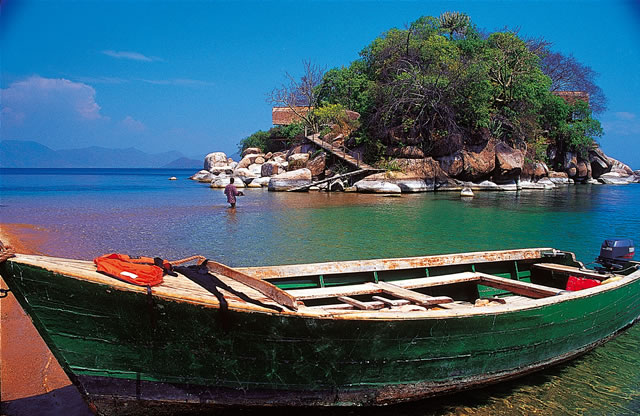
[[32, 381]]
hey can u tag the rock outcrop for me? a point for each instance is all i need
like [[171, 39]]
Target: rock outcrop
[[289, 180], [509, 163], [478, 162], [215, 159], [378, 187]]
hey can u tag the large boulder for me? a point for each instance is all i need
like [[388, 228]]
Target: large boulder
[[617, 166], [406, 152], [478, 162], [317, 164], [264, 181], [570, 164], [202, 176], [271, 168], [245, 174], [420, 168], [215, 159], [378, 187], [583, 170], [599, 162], [451, 164], [249, 159], [250, 150], [616, 178], [289, 180], [255, 168], [534, 171], [509, 162], [223, 180], [559, 178]]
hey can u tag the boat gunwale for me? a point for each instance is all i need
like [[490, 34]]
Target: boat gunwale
[[209, 300]]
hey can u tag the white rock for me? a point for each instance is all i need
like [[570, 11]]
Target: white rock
[[550, 183], [250, 150], [264, 181], [255, 168], [413, 185], [299, 157], [558, 181], [542, 185], [379, 187], [254, 184], [278, 159], [466, 192], [202, 176], [244, 174], [215, 159], [616, 178], [484, 186], [224, 180], [288, 180]]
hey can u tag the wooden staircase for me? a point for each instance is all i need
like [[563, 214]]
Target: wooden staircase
[[340, 153], [363, 172], [362, 168]]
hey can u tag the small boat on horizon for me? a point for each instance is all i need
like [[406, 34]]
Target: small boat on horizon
[[348, 333]]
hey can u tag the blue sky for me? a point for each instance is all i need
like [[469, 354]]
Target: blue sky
[[193, 76]]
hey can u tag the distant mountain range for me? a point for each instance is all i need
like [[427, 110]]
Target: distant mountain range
[[31, 154]]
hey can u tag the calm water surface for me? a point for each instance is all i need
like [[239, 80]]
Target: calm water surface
[[88, 212]]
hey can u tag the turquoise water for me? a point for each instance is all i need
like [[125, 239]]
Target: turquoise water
[[88, 212]]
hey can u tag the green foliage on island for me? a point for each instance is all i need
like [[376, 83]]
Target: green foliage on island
[[442, 82], [441, 77]]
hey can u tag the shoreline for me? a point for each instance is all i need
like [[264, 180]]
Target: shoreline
[[31, 379]]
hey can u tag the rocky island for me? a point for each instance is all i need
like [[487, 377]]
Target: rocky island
[[437, 106]]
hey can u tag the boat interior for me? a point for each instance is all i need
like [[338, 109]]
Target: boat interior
[[466, 283]]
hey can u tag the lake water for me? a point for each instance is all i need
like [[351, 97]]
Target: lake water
[[89, 212]]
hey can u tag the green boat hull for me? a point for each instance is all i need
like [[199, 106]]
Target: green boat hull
[[120, 346]]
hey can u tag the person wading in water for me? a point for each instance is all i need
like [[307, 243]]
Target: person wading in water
[[232, 192]]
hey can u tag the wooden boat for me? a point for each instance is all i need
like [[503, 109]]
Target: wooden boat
[[368, 332]]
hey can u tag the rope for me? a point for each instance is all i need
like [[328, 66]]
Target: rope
[[200, 259]]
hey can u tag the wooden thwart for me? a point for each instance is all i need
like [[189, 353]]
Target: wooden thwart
[[271, 291], [518, 287], [415, 297], [361, 305]]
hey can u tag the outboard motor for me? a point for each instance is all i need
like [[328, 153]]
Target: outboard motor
[[615, 254]]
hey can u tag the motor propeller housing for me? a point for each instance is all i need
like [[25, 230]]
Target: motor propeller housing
[[615, 253]]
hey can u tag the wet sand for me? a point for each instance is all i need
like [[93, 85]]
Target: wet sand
[[32, 381]]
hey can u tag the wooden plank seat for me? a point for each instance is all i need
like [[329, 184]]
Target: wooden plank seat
[[401, 290], [415, 297], [572, 270], [518, 287], [373, 288]]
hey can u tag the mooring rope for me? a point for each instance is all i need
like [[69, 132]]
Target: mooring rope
[[200, 259]]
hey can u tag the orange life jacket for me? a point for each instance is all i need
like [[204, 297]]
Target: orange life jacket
[[141, 271]]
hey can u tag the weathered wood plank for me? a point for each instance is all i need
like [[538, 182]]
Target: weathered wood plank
[[353, 266], [518, 287], [416, 297], [266, 288], [391, 302], [361, 305], [332, 292]]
